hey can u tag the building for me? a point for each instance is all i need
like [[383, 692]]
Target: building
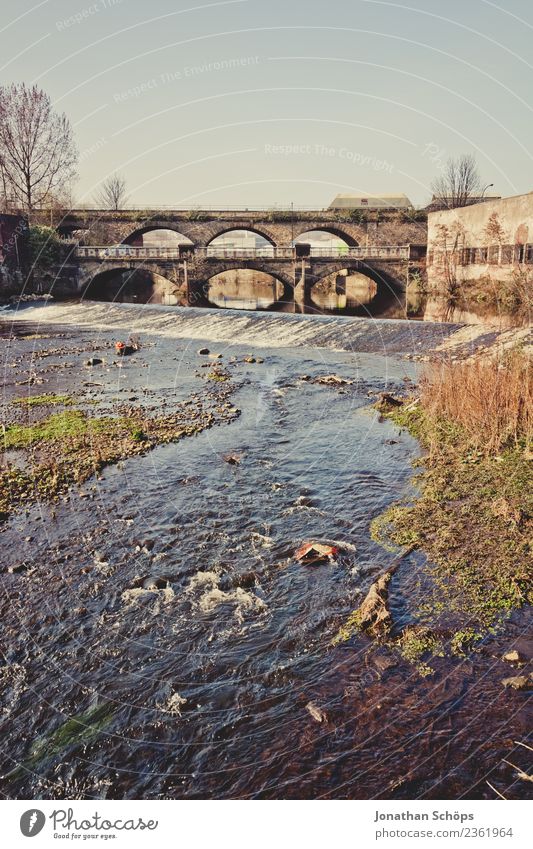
[[386, 202], [438, 203], [492, 240]]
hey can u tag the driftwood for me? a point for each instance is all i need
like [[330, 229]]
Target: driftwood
[[373, 615]]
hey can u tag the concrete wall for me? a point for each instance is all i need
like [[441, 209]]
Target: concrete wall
[[491, 239]]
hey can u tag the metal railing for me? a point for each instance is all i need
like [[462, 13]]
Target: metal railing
[[369, 252], [126, 252], [129, 252], [246, 253]]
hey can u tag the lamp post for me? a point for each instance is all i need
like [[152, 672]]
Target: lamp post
[[488, 186]]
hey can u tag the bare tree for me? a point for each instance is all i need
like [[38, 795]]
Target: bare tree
[[459, 183], [112, 194], [37, 151]]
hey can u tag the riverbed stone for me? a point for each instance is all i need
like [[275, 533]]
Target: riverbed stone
[[518, 682]]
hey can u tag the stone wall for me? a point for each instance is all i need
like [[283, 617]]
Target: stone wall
[[491, 240]]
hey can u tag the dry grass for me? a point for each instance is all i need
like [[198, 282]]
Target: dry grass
[[490, 400]]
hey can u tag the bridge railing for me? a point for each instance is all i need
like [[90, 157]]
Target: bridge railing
[[370, 252], [269, 252], [128, 252]]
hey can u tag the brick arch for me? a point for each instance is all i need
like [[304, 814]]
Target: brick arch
[[93, 272], [371, 270], [305, 227], [177, 228], [251, 265], [199, 282], [388, 286], [245, 228]]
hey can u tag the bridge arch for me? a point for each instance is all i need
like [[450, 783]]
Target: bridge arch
[[385, 294], [304, 233], [245, 288], [240, 233], [120, 283], [157, 234], [199, 287]]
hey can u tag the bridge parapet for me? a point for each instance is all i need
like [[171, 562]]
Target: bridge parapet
[[127, 252]]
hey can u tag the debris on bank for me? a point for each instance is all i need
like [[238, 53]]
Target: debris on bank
[[373, 615], [316, 712], [316, 552], [125, 349]]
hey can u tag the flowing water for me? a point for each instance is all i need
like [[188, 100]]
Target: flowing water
[[214, 676]]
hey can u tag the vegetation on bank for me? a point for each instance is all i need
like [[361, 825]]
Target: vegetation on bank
[[68, 446], [43, 249], [474, 514], [510, 297]]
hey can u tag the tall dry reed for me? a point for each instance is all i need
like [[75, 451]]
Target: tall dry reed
[[491, 400]]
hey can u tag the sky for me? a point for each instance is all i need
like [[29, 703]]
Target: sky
[[262, 103]]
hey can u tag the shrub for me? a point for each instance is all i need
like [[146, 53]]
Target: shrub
[[490, 400]]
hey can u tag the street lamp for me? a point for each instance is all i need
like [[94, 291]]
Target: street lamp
[[489, 186]]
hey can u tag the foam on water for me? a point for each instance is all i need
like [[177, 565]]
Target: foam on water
[[273, 330]]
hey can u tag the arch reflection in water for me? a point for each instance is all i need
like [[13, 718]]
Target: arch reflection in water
[[138, 286], [245, 289], [344, 290]]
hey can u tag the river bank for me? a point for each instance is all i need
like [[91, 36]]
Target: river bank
[[160, 638]]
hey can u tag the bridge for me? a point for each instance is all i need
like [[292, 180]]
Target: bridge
[[383, 246]]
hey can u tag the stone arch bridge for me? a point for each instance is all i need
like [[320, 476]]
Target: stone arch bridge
[[382, 250]]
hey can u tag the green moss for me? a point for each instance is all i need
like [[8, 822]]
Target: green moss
[[44, 401], [60, 426], [464, 641], [418, 646], [217, 376], [351, 627], [77, 730]]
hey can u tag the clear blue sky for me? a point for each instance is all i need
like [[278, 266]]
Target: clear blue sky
[[247, 101]]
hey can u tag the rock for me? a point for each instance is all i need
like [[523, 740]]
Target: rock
[[513, 657], [250, 359], [216, 356], [232, 459], [316, 712], [315, 552], [203, 351], [388, 400], [518, 682], [374, 614], [332, 380], [145, 545], [155, 582], [93, 361], [18, 568], [383, 661]]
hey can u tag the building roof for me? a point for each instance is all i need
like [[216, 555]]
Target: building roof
[[361, 201]]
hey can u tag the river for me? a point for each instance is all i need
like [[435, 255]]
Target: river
[[211, 683]]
